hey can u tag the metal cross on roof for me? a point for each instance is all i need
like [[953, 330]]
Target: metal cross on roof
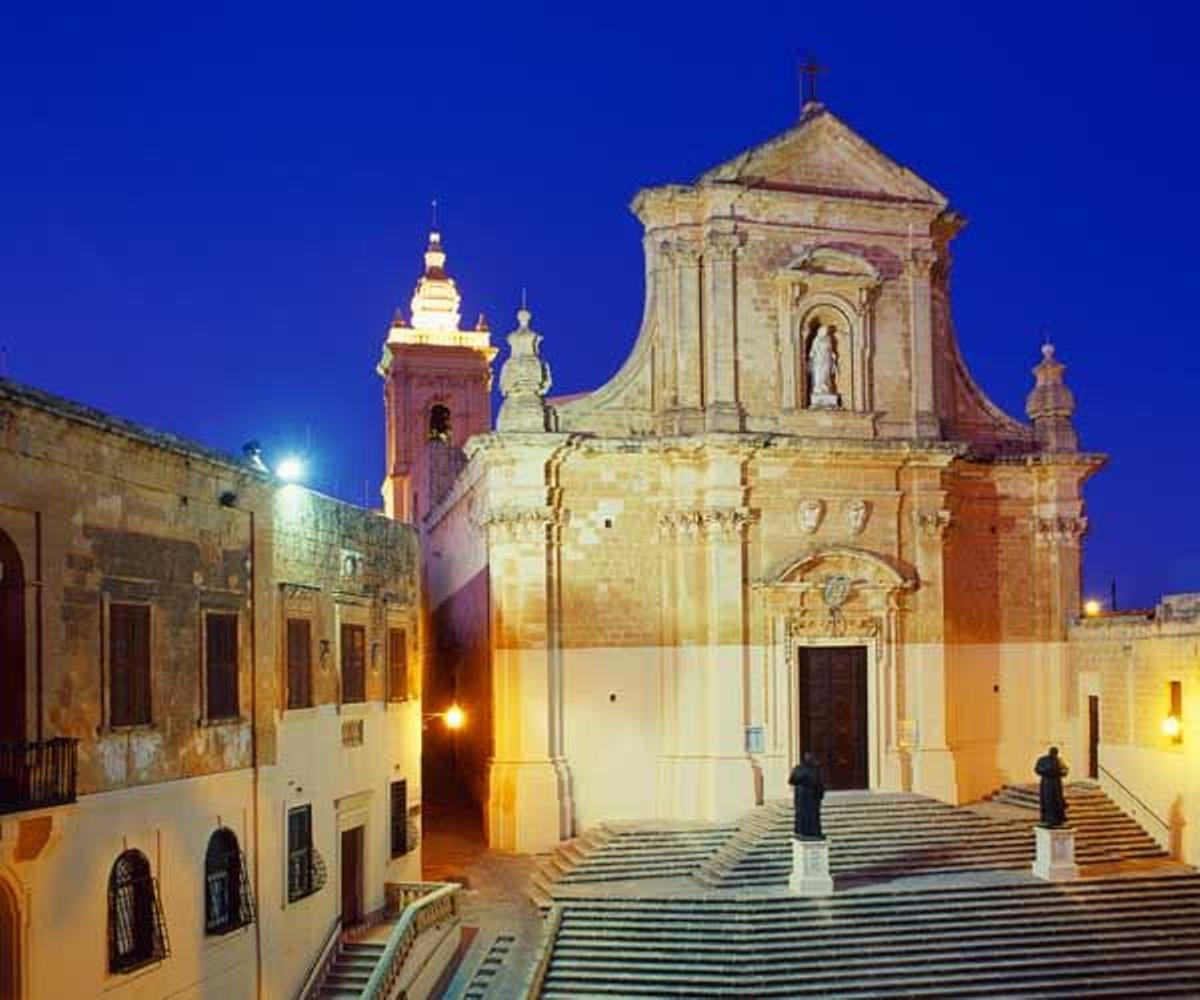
[[809, 71]]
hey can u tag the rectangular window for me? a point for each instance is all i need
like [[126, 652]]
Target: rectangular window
[[397, 665], [354, 663], [129, 664], [399, 818], [301, 868], [299, 663], [1177, 699], [221, 666]]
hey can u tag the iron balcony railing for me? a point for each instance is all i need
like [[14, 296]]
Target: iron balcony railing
[[42, 773]]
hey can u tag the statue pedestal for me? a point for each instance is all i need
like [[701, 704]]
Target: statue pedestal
[[825, 401], [1055, 858], [810, 868]]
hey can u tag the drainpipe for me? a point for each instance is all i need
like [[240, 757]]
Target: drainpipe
[[253, 582]]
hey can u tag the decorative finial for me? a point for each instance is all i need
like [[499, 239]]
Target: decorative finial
[[433, 206], [524, 380], [809, 71], [1050, 405], [523, 303]]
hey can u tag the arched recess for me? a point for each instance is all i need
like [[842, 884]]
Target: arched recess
[[828, 286], [834, 596], [12, 642], [10, 943]]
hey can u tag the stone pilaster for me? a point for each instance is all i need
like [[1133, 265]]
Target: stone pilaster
[[689, 351], [720, 332], [529, 804], [920, 272]]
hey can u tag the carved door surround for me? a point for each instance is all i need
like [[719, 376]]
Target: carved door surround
[[827, 286], [835, 596]]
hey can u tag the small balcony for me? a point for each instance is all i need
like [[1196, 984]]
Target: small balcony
[[39, 774]]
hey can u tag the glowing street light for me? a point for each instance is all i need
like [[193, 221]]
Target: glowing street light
[[1091, 607], [1172, 728], [290, 469], [454, 717]]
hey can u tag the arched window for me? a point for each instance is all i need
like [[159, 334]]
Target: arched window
[[228, 904], [439, 423], [137, 933]]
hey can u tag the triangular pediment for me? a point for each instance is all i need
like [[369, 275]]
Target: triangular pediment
[[821, 153]]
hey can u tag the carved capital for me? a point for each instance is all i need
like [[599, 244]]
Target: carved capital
[[722, 246], [708, 521], [519, 524], [934, 524], [685, 254], [1060, 530], [922, 261]]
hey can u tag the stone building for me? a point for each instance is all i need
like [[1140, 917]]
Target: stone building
[[791, 519], [209, 737], [1135, 683]]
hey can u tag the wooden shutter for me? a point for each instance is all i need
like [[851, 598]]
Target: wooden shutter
[[397, 665], [220, 665], [299, 663], [354, 663], [129, 664], [399, 818]]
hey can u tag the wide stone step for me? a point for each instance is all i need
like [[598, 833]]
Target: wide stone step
[[1002, 974]]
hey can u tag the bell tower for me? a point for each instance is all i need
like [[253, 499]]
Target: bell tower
[[436, 384]]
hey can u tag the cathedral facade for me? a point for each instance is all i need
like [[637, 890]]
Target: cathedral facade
[[791, 521]]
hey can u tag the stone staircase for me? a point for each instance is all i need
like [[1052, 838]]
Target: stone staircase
[[351, 970], [1116, 937], [884, 835], [1109, 833], [613, 852]]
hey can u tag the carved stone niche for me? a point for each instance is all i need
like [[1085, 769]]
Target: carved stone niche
[[835, 289]]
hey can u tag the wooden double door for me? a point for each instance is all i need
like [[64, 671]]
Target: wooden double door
[[833, 712]]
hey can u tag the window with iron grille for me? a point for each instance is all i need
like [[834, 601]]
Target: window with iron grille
[[228, 902], [306, 869], [354, 663], [221, 665], [397, 665], [129, 664], [137, 933], [399, 818], [299, 663]]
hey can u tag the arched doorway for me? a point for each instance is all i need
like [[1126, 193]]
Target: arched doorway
[[12, 643], [10, 944]]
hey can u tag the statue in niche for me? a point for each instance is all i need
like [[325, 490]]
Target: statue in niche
[[823, 369], [1051, 800], [808, 791]]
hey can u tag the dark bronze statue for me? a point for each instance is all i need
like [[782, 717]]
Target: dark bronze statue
[[1051, 770], [808, 791]]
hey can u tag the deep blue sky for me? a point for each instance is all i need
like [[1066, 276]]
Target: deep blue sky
[[208, 213]]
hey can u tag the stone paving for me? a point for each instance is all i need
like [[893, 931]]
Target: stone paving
[[495, 902]]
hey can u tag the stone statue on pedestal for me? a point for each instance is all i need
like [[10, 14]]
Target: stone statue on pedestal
[[808, 791], [1051, 801], [823, 369]]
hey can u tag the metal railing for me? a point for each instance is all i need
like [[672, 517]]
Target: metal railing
[[322, 963], [1125, 798], [419, 915], [38, 774]]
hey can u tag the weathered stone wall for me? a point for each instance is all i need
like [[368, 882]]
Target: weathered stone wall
[[104, 511], [1128, 661]]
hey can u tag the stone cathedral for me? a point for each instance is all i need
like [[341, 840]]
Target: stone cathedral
[[790, 521]]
